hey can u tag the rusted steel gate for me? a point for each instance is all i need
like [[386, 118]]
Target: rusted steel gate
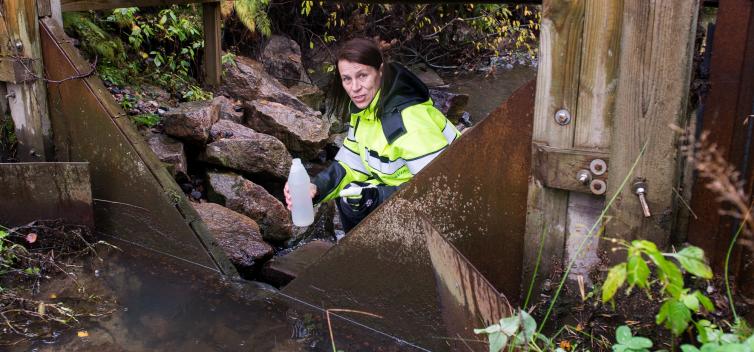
[[727, 115]]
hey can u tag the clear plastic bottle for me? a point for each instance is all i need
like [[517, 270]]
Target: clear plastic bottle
[[302, 209]]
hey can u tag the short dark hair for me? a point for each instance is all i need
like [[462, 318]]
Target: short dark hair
[[366, 52]]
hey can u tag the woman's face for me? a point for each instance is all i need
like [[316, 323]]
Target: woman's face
[[361, 82]]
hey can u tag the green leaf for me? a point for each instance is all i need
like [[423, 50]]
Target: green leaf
[[637, 271], [488, 330], [689, 348], [692, 259], [530, 325], [675, 315], [619, 348], [691, 302], [706, 302], [638, 343], [615, 278], [497, 341], [671, 277], [509, 325], [623, 334]]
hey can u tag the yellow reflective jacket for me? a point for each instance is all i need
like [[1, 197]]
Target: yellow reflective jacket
[[390, 149]]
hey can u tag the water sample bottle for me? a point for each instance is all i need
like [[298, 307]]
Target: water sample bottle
[[302, 209]]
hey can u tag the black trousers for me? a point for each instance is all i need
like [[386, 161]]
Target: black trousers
[[353, 211]]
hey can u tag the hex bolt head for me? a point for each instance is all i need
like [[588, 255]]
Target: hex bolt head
[[563, 117], [19, 45]]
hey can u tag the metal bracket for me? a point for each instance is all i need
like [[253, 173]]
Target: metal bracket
[[565, 168]]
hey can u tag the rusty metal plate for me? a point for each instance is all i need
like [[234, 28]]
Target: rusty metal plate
[[135, 199], [34, 191], [408, 262], [403, 270]]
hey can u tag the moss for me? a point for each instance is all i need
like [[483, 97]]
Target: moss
[[94, 40]]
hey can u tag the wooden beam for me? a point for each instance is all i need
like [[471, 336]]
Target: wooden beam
[[558, 168], [86, 5], [655, 65], [212, 44], [579, 47], [27, 100], [557, 88]]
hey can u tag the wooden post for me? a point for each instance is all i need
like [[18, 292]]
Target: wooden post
[[655, 65], [595, 58], [27, 98], [212, 44]]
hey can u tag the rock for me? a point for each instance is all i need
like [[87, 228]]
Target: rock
[[252, 200], [169, 151], [282, 60], [427, 75], [281, 270], [229, 110], [303, 134], [191, 121], [247, 80], [237, 235], [241, 148], [310, 94], [451, 104]]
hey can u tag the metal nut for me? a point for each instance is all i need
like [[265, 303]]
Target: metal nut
[[598, 187], [598, 167], [563, 117]]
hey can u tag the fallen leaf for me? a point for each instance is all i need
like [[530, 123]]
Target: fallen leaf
[[53, 296], [83, 333], [31, 237], [41, 308]]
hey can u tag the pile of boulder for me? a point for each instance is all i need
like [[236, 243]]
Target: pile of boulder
[[232, 154]]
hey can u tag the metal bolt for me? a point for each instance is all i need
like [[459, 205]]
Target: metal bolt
[[598, 166], [10, 95], [598, 187], [19, 45], [563, 117], [584, 177], [640, 189]]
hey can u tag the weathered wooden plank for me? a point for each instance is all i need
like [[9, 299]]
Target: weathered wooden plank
[[655, 63], [85, 5], [212, 44], [45, 191], [558, 168], [16, 70], [598, 77], [557, 88], [27, 103], [44, 8]]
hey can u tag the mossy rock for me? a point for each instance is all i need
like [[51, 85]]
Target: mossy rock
[[94, 40]]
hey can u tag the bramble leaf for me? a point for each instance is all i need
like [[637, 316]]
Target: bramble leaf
[[692, 260], [637, 271], [615, 278]]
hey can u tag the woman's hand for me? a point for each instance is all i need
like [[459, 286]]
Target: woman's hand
[[289, 201]]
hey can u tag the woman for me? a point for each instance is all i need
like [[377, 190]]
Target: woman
[[394, 132]]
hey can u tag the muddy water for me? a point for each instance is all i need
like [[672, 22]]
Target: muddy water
[[162, 305], [487, 91]]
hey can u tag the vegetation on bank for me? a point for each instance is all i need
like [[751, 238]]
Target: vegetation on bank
[[676, 286]]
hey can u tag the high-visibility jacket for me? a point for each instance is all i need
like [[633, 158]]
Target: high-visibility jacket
[[392, 148]]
